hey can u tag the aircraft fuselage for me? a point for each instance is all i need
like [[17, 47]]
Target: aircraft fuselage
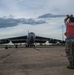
[[31, 39]]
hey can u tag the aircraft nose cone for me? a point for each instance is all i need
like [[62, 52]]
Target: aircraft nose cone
[[32, 39]]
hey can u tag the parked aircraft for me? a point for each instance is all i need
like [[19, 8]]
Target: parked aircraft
[[30, 40]]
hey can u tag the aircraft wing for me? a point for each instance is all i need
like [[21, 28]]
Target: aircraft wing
[[4, 41], [20, 39], [40, 39], [23, 39]]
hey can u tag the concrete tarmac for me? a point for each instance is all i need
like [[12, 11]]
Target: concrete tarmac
[[34, 61]]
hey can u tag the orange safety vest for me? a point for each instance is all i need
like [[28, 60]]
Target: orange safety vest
[[69, 30]]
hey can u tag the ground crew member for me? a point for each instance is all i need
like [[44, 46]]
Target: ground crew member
[[69, 43]]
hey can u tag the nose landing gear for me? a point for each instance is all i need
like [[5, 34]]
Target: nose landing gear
[[30, 45]]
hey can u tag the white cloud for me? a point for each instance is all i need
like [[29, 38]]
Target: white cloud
[[52, 29], [33, 8]]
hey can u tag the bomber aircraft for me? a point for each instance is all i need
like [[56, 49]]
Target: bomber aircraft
[[30, 40]]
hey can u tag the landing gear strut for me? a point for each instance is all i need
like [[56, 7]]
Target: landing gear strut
[[16, 46]]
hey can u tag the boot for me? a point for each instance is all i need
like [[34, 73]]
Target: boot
[[70, 67]]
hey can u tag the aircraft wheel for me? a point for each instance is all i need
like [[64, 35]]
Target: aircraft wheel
[[6, 47], [34, 46], [16, 46]]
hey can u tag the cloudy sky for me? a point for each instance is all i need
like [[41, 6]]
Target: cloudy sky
[[17, 17]]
